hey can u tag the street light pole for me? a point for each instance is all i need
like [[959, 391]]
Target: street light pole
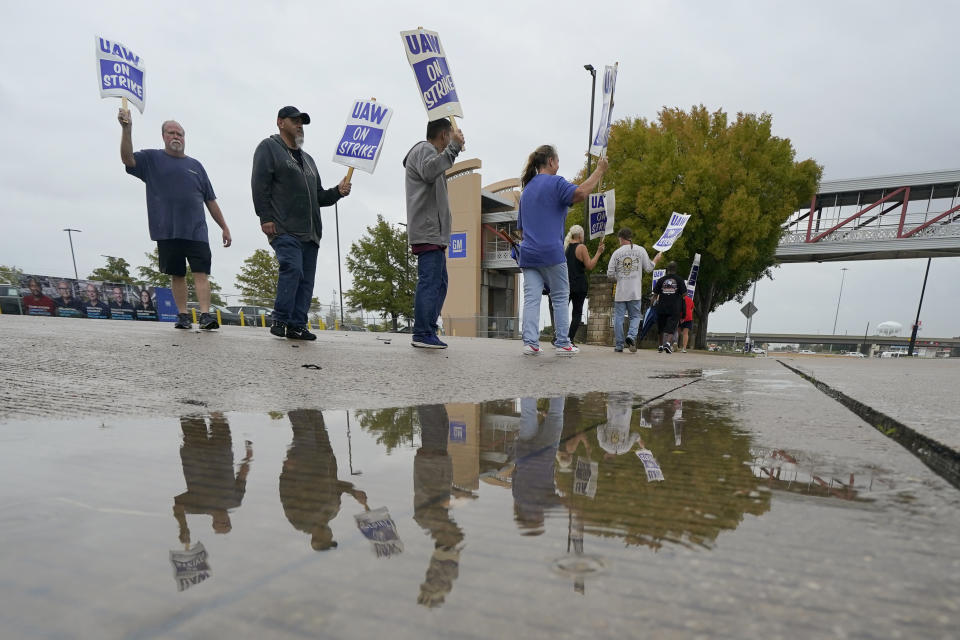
[[593, 99], [336, 217], [72, 255], [837, 314], [916, 323]]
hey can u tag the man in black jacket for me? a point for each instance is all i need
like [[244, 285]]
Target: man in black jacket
[[287, 196]]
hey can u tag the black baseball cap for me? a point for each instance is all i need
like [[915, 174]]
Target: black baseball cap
[[293, 112]]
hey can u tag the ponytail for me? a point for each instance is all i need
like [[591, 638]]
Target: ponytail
[[537, 159], [576, 231]]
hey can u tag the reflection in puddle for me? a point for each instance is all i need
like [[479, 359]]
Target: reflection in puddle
[[534, 489]]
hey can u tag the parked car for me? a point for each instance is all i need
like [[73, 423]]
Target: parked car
[[758, 351], [10, 299], [252, 313], [352, 327], [806, 352], [227, 317], [854, 354]]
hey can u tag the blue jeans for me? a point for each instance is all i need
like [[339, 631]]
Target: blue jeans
[[555, 277], [298, 268], [619, 310], [431, 292]]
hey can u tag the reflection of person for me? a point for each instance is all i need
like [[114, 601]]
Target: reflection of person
[[670, 291], [578, 263], [309, 488], [120, 307], [544, 202], [533, 486], [287, 196], [177, 190], [432, 483], [614, 435], [212, 487], [429, 224], [626, 266], [95, 307], [67, 305], [38, 303], [144, 308]]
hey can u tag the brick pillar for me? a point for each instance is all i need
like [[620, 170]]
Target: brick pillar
[[600, 324]]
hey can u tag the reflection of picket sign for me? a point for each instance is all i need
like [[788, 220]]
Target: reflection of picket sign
[[674, 228], [362, 140], [598, 146], [650, 465], [585, 477], [379, 528], [190, 567], [602, 208], [429, 64], [657, 274], [119, 72]]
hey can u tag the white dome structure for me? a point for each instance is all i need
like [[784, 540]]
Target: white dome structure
[[889, 328]]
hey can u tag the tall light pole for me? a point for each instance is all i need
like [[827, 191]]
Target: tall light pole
[[916, 323], [837, 314], [72, 255], [336, 217], [593, 99]]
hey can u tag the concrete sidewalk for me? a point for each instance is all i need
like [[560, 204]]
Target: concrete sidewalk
[[64, 369]]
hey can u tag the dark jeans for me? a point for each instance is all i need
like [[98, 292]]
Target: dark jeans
[[298, 267], [431, 292], [575, 319]]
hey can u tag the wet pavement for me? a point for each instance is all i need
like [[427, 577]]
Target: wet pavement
[[733, 502]]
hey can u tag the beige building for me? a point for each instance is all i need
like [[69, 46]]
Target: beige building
[[482, 295]]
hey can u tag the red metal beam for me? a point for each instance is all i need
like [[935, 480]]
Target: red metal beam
[[930, 222], [813, 207], [861, 212], [903, 214]]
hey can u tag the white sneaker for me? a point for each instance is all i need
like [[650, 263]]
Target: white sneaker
[[568, 350], [530, 350], [683, 350]]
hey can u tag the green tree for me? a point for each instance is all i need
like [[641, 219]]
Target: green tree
[[10, 275], [257, 279], [117, 270], [737, 180], [151, 275], [384, 276]]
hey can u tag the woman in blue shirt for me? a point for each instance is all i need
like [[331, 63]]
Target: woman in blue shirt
[[544, 203]]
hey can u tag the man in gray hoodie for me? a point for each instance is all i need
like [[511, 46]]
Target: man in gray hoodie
[[428, 224], [287, 196]]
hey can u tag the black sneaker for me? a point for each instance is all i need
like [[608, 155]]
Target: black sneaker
[[183, 321], [278, 329], [208, 322], [631, 344], [667, 348], [299, 333]]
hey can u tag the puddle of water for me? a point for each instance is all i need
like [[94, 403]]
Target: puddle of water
[[346, 524]]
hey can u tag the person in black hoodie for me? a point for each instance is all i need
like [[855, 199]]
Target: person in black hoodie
[[287, 196]]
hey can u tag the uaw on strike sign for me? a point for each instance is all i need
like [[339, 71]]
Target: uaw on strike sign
[[429, 63], [363, 137], [119, 71]]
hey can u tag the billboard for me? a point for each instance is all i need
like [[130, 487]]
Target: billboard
[[68, 298]]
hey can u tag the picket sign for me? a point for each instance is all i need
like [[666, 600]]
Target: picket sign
[[363, 136], [428, 61], [120, 72]]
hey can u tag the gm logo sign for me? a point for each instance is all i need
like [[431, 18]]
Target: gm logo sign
[[458, 245]]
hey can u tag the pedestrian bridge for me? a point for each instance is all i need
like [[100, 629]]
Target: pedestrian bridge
[[913, 215]]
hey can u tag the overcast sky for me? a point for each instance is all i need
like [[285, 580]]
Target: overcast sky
[[865, 88]]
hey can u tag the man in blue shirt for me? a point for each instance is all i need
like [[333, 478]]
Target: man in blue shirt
[[177, 190]]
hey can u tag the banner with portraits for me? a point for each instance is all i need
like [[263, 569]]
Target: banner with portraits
[[68, 298]]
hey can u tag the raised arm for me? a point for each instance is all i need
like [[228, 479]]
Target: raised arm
[[584, 256], [126, 138], [435, 166], [590, 183]]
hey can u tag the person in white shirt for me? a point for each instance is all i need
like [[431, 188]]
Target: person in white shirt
[[626, 266]]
